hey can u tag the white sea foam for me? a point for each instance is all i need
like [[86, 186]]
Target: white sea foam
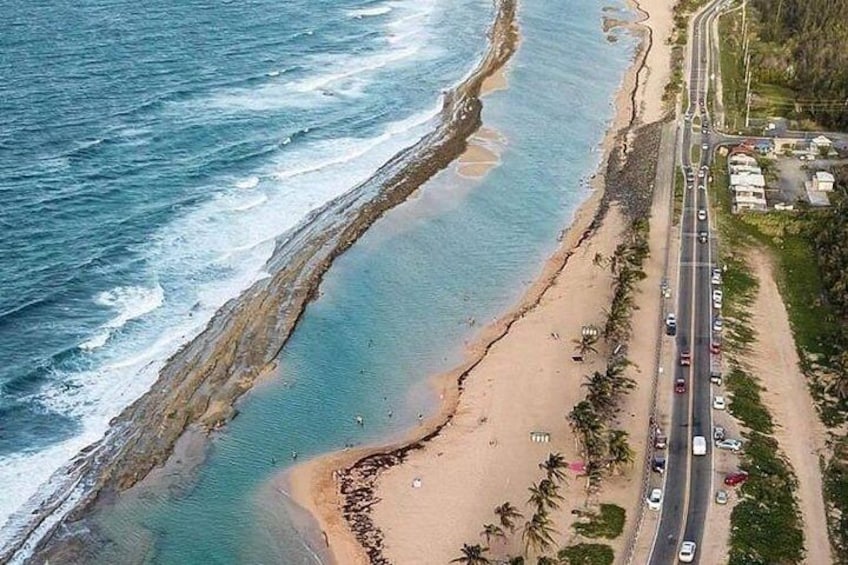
[[332, 77], [250, 182], [204, 258], [130, 302], [370, 12]]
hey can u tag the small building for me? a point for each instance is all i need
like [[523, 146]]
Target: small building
[[745, 170], [747, 179], [748, 198], [821, 145], [741, 159], [764, 146], [823, 181]]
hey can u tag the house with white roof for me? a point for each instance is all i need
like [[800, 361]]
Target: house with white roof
[[747, 179], [821, 145], [823, 181]]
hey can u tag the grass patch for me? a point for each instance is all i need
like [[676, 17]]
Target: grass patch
[[746, 404], [586, 554], [695, 155], [766, 523], [679, 188], [608, 523], [836, 489]]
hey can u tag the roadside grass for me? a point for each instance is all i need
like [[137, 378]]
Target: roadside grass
[[732, 73], [836, 491], [745, 403], [586, 554], [767, 500], [695, 155], [679, 188], [766, 522], [608, 523]]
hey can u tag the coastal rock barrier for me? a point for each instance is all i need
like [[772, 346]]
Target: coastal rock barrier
[[199, 384]]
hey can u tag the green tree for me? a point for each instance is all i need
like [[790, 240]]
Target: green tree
[[508, 514], [492, 531], [538, 533], [554, 467], [472, 555]]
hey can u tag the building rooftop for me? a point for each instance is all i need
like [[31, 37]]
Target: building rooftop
[[824, 176]]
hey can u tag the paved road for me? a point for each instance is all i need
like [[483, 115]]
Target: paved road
[[688, 484]]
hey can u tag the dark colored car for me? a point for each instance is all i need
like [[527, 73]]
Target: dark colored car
[[734, 479], [703, 236], [685, 357], [680, 385], [658, 464]]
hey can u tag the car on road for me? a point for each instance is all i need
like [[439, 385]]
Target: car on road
[[718, 325], [718, 295], [715, 277], [685, 357], [655, 499], [737, 478], [687, 552], [715, 346], [679, 385], [719, 403], [703, 236], [658, 464], [719, 433], [705, 146], [687, 116], [702, 173], [671, 324], [699, 445], [730, 444], [702, 214], [660, 439], [721, 497]]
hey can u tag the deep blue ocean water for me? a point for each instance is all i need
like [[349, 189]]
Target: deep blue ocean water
[[152, 152], [149, 154]]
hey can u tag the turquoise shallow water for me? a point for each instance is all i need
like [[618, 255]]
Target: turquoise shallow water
[[394, 309]]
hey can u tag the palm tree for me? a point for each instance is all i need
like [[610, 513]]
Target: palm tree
[[545, 496], [508, 514], [554, 466], [586, 344], [472, 555], [620, 453], [492, 531], [538, 533]]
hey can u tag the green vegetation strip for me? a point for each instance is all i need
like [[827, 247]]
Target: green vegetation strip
[[586, 554], [767, 501], [608, 523]]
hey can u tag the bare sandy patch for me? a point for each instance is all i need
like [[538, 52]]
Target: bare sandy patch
[[798, 430]]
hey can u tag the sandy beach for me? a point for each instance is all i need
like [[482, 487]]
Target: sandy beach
[[436, 490]]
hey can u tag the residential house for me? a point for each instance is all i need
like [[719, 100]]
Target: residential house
[[821, 145], [747, 179], [823, 181]]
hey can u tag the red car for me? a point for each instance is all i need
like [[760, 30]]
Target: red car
[[734, 479], [680, 385], [685, 358], [715, 347]]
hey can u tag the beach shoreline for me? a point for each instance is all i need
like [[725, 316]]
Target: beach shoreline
[[197, 389], [339, 489]]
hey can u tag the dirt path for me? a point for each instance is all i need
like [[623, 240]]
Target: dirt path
[[799, 431]]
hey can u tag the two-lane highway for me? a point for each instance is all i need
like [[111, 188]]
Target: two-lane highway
[[688, 483]]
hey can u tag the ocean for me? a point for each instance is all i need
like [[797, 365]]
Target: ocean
[[150, 154]]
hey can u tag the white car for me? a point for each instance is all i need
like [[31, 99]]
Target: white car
[[718, 324], [716, 276], [655, 499], [702, 214], [687, 552], [717, 297], [730, 444], [719, 403]]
